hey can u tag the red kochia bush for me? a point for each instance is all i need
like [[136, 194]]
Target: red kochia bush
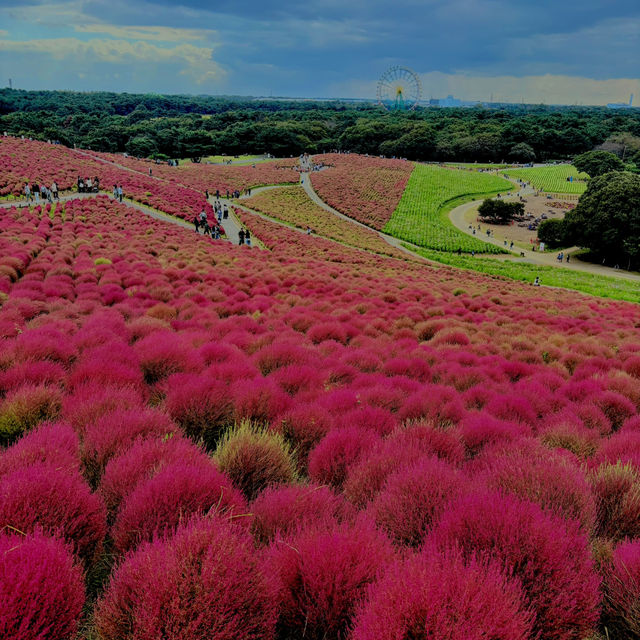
[[200, 404], [41, 496], [143, 460], [548, 555], [54, 443], [438, 595], [621, 615], [160, 504], [285, 510], [115, 431], [202, 583], [546, 477], [413, 497], [319, 577], [337, 452], [41, 588]]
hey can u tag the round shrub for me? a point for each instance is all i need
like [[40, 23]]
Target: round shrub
[[114, 432], [413, 497], [90, 401], [285, 510], [255, 458], [623, 446], [337, 452], [621, 588], [548, 555], [41, 588], [200, 405], [164, 353], [143, 460], [158, 505], [59, 502], [303, 427], [25, 407], [438, 595], [616, 488], [260, 400], [319, 577], [550, 479], [54, 443], [202, 583]]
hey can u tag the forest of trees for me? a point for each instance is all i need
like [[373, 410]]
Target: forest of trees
[[187, 126]]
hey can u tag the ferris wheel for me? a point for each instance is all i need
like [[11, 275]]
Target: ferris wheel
[[399, 89]]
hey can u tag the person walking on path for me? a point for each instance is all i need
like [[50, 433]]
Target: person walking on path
[[196, 224], [54, 190], [120, 193], [36, 191], [27, 192], [225, 213], [241, 236], [247, 237]]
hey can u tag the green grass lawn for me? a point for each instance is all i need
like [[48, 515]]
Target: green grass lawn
[[421, 216], [593, 284], [552, 179]]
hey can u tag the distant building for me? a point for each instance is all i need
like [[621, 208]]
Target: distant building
[[621, 105], [450, 101]]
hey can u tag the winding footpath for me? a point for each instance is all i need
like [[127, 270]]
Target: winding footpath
[[458, 219]]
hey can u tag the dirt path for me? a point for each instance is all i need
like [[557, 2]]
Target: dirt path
[[457, 217]]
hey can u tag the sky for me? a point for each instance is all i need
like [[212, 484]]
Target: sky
[[535, 51]]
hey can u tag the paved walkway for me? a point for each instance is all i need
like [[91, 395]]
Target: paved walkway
[[458, 219]]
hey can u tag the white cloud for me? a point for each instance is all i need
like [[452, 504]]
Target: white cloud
[[158, 33], [195, 62]]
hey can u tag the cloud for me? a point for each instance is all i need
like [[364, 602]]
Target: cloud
[[194, 62], [158, 33]]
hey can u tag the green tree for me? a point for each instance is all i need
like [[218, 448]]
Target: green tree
[[597, 163], [607, 218], [522, 152], [552, 233], [499, 211]]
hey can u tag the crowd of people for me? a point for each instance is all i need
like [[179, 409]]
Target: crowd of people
[[35, 191], [88, 185]]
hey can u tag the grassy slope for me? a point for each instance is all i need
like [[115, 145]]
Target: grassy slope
[[421, 216]]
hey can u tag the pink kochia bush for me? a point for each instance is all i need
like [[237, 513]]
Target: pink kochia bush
[[202, 583], [331, 458], [548, 555], [53, 443], [622, 591], [159, 504], [439, 595], [115, 431], [41, 588], [319, 577], [146, 457], [413, 497], [57, 501], [281, 511]]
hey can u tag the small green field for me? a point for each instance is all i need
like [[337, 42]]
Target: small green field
[[552, 179], [421, 216], [593, 284]]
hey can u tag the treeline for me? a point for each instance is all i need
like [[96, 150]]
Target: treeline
[[192, 126]]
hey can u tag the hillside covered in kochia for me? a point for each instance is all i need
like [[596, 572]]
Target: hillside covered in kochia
[[193, 126], [205, 440]]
